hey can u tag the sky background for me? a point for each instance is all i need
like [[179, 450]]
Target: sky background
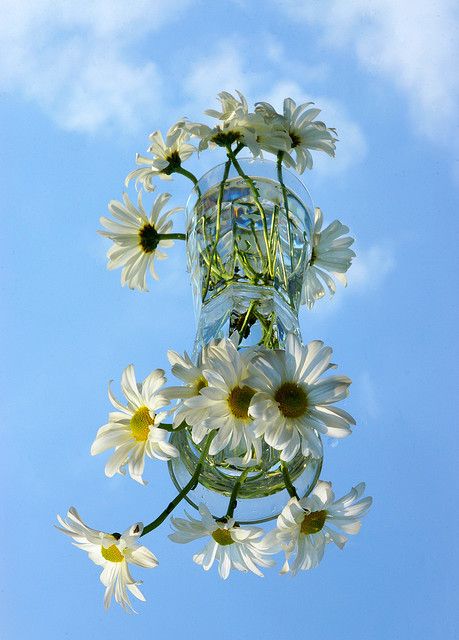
[[81, 86]]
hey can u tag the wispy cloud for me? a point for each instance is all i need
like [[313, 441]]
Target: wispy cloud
[[413, 44], [76, 60], [371, 267]]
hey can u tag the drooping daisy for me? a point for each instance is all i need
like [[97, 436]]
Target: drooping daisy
[[330, 255], [168, 155], [137, 238], [292, 405], [133, 430], [114, 552], [305, 526], [304, 131], [232, 546], [224, 404]]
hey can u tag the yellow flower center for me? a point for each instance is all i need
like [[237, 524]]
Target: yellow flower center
[[292, 400], [200, 384], [140, 424], [223, 537], [313, 522], [112, 553], [239, 401]]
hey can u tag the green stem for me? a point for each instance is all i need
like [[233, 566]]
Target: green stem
[[168, 427], [186, 489], [280, 177], [190, 176], [247, 317], [288, 482], [172, 236], [221, 192], [233, 498], [256, 197]]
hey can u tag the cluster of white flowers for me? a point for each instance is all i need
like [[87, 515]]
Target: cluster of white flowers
[[291, 136], [302, 531], [242, 397], [235, 403], [275, 395]]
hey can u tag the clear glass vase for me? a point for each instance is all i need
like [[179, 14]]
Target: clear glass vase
[[248, 242]]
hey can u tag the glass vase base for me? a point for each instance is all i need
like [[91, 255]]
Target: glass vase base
[[263, 494]]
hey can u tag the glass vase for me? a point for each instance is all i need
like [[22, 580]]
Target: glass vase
[[249, 231]]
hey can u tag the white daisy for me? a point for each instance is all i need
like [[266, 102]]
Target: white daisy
[[330, 255], [238, 125], [232, 546], [168, 155], [224, 403], [193, 376], [137, 238], [304, 131], [292, 405], [303, 528], [114, 552], [133, 430]]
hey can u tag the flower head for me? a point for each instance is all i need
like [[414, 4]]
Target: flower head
[[232, 546], [292, 405], [168, 155], [114, 552], [137, 238], [133, 430], [192, 374], [304, 131], [223, 404], [330, 255], [305, 526], [238, 125]]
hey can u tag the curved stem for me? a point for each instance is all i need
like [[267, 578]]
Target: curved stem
[[190, 176], [233, 498], [186, 489], [288, 481]]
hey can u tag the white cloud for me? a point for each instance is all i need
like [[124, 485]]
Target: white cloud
[[371, 267], [73, 58], [412, 43]]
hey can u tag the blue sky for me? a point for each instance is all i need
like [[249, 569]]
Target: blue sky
[[81, 86]]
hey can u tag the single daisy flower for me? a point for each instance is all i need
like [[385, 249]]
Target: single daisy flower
[[330, 255], [114, 552], [192, 374], [168, 156], [305, 526], [137, 238], [232, 546], [292, 405], [223, 404], [304, 131], [133, 430]]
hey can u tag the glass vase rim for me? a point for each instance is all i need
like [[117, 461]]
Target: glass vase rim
[[252, 161]]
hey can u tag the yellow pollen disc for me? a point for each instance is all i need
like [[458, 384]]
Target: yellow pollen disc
[[313, 522], [140, 424], [223, 537], [200, 384], [292, 400], [112, 553], [239, 401]]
